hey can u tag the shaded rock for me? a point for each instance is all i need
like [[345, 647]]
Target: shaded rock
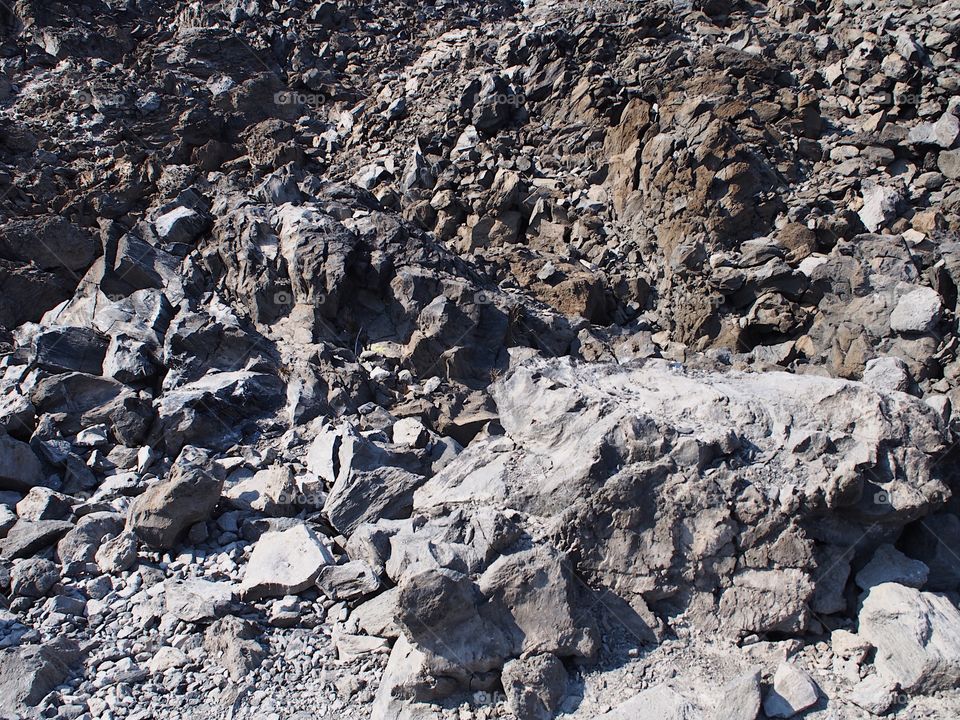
[[33, 577], [27, 538], [69, 349], [232, 643], [740, 698], [44, 504], [19, 468], [28, 673], [535, 686], [83, 542], [348, 581], [164, 513]]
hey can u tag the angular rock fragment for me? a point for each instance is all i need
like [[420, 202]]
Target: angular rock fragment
[[284, 563], [164, 513]]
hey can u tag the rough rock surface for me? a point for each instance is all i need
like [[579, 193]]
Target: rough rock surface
[[479, 359]]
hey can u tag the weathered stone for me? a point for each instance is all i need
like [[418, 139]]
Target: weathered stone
[[657, 702], [890, 565], [164, 513], [535, 686], [33, 577], [19, 467], [793, 692], [349, 581], [29, 672], [284, 563], [917, 636], [27, 538], [195, 600], [232, 643]]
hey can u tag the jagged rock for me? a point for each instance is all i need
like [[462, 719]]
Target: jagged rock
[[793, 692], [83, 542], [943, 133], [44, 504], [49, 242], [917, 636], [273, 491], [879, 206], [164, 513], [366, 482], [19, 467], [349, 581], [890, 565], [889, 373], [232, 643], [535, 686], [917, 311], [29, 672], [874, 695], [284, 563], [117, 554], [69, 349]]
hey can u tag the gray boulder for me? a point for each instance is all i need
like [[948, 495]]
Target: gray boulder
[[20, 469], [28, 674], [284, 563]]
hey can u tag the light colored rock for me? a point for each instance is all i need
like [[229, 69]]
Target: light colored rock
[[284, 563], [117, 554], [943, 133], [793, 692], [167, 658], [916, 312], [195, 599], [873, 694], [659, 702], [410, 431], [917, 636], [887, 373], [890, 565], [879, 206], [739, 698]]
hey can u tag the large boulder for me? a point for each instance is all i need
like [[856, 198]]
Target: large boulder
[[284, 563], [164, 513], [20, 469], [29, 672], [917, 637], [722, 491]]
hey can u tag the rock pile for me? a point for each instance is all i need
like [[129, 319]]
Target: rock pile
[[471, 360]]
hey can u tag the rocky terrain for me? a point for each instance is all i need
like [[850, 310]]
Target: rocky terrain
[[462, 360]]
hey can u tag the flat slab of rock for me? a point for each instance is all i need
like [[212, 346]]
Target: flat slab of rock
[[26, 538], [195, 599], [660, 702], [284, 563], [28, 673]]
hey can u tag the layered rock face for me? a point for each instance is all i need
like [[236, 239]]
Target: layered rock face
[[532, 360]]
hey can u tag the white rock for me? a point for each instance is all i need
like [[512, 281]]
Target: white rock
[[660, 702], [879, 206], [284, 563], [887, 373], [793, 691], [167, 658], [917, 311], [917, 636]]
